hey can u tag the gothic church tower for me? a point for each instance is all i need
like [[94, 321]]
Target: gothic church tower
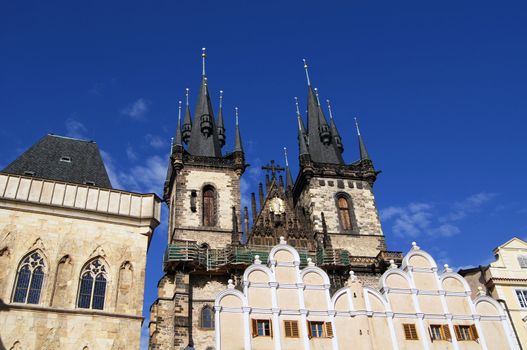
[[337, 197], [202, 190]]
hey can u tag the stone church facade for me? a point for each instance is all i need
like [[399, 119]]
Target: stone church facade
[[328, 214], [72, 251]]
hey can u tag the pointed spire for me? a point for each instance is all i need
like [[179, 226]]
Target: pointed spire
[[307, 72], [322, 147], [334, 130], [177, 141], [187, 123], [288, 178], [362, 147], [221, 128], [203, 56], [238, 147], [204, 136]]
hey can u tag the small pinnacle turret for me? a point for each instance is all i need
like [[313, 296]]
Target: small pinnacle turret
[[288, 178], [238, 147], [334, 130], [187, 123], [221, 128], [177, 140], [302, 147], [362, 147]]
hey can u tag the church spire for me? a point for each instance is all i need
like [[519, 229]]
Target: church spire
[[238, 147], [221, 128], [177, 140], [363, 152], [322, 148], [204, 136], [334, 130], [187, 123], [288, 178], [302, 147]]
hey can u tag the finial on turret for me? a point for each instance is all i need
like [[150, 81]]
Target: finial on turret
[[179, 113], [307, 72], [203, 56], [330, 111], [285, 155], [186, 94], [236, 110], [221, 98], [316, 94], [297, 107], [357, 126]]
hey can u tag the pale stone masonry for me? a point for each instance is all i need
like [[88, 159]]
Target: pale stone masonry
[[69, 225]]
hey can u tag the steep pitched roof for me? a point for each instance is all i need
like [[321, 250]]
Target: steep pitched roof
[[63, 159]]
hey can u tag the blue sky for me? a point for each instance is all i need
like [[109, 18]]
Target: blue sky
[[439, 88]]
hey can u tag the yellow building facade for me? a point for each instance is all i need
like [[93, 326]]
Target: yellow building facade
[[506, 280], [415, 306]]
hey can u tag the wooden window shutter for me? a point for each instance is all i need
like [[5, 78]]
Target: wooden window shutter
[[255, 327], [458, 332], [329, 330], [294, 329], [309, 332], [446, 332], [410, 333], [271, 328], [287, 329], [474, 331]]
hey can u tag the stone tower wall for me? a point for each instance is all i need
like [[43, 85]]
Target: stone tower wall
[[186, 223], [319, 196]]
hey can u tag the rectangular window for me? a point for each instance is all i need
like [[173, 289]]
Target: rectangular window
[[522, 297], [319, 329], [466, 332], [522, 260], [410, 332], [262, 328], [291, 329], [440, 332]]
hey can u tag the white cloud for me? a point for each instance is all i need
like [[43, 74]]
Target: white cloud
[[75, 128], [416, 219], [136, 110], [145, 178], [467, 206], [155, 141], [411, 220], [110, 169], [130, 153]]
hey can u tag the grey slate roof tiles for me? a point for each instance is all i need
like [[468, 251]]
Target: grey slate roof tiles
[[62, 159]]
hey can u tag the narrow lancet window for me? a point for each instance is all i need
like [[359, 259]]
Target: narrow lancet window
[[92, 290], [344, 213], [209, 206], [30, 278], [207, 318]]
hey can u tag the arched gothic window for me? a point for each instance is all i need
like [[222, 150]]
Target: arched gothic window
[[30, 278], [93, 286], [209, 206], [344, 212], [207, 317]]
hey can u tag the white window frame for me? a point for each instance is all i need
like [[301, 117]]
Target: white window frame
[[521, 296]]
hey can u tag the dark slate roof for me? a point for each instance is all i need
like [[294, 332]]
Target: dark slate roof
[[319, 152], [200, 144], [43, 160]]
